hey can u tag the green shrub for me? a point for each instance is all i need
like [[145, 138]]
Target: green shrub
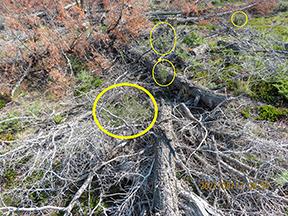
[[282, 87], [182, 54], [236, 85], [274, 23], [162, 72], [2, 103], [271, 113], [35, 108], [9, 177], [192, 39], [7, 137], [283, 6], [264, 91], [130, 106], [86, 82], [58, 119], [229, 72], [239, 19], [39, 198], [246, 112], [282, 178], [11, 200], [239, 87], [77, 65], [252, 159], [12, 125]]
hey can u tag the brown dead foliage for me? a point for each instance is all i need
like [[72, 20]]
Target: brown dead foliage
[[52, 33]]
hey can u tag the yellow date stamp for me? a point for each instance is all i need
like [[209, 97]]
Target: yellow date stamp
[[233, 185]]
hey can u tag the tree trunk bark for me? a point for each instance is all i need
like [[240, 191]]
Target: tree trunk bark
[[165, 198]]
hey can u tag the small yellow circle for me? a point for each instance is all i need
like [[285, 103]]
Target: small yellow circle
[[153, 72], [120, 136], [174, 40], [239, 12]]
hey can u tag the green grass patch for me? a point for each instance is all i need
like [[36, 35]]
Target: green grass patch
[[35, 176], [252, 159], [58, 119], [246, 112], [94, 200], [274, 25], [7, 137], [263, 91], [282, 178], [11, 124], [238, 86], [10, 127], [201, 74], [39, 197], [270, 91], [183, 54], [271, 113], [128, 108], [193, 39], [282, 86], [9, 176], [35, 108], [2, 103], [10, 200], [86, 82], [77, 65]]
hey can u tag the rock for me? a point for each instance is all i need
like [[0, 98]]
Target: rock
[[200, 50]]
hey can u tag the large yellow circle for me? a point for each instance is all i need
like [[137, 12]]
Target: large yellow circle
[[130, 136], [174, 40], [153, 72], [239, 12]]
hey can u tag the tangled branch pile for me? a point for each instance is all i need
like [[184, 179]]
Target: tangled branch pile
[[201, 158]]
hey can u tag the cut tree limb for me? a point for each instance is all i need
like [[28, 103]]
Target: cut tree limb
[[200, 97], [180, 19], [193, 205]]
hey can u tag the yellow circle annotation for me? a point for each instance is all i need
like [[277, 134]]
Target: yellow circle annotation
[[239, 12], [174, 39], [153, 72], [125, 85]]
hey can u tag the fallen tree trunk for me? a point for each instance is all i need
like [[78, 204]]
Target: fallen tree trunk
[[182, 88], [165, 200], [171, 196]]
